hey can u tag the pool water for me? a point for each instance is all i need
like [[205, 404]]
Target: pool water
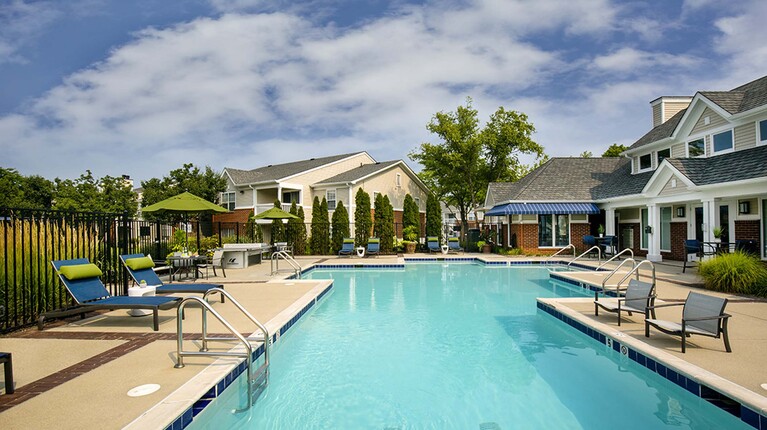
[[453, 346]]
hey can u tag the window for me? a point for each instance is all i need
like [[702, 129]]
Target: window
[[665, 153], [399, 180], [553, 230], [665, 228], [289, 197], [417, 202], [723, 141], [330, 195], [227, 200], [763, 131], [645, 236], [645, 162], [696, 148]]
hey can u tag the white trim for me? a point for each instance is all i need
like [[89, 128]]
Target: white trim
[[760, 142], [639, 163], [687, 147], [723, 151]]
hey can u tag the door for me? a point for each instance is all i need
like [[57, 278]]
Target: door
[[699, 223]]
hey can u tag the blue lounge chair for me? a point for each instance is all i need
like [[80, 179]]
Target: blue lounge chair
[[453, 245], [374, 246], [347, 248], [140, 269], [81, 279], [432, 242]]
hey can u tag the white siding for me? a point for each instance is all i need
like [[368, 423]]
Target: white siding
[[715, 121]]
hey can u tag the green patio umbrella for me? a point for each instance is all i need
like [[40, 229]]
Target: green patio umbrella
[[275, 213], [184, 204]]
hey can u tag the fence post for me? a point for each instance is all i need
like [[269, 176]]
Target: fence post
[[124, 248]]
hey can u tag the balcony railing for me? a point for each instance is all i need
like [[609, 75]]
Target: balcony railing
[[265, 207]]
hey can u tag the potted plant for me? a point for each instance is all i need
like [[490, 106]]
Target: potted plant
[[718, 232], [410, 236], [484, 246], [601, 230]]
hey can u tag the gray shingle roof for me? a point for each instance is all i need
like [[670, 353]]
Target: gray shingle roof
[[274, 172], [741, 99], [358, 172], [735, 166], [572, 179]]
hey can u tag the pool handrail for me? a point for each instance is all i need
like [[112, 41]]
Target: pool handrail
[[616, 256], [261, 377], [636, 270], [284, 255], [570, 245], [599, 254], [609, 275]]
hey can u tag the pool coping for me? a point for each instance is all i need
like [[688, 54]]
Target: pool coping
[[179, 408], [702, 383]]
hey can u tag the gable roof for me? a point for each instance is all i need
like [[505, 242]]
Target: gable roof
[[751, 163], [571, 179], [358, 173], [738, 100], [275, 172]]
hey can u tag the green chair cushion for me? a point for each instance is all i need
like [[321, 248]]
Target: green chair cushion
[[139, 263], [374, 240], [348, 240], [81, 271]]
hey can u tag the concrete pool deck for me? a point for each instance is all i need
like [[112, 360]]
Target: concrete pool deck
[[76, 374]]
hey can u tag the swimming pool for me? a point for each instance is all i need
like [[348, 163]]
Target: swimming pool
[[453, 346]]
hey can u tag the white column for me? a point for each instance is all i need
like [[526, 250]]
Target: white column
[[610, 222], [255, 201], [709, 219], [653, 220]]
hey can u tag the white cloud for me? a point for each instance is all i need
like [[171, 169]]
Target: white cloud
[[21, 23], [742, 41], [635, 61]]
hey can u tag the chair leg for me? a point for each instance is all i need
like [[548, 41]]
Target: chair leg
[[725, 336], [156, 318], [684, 337]]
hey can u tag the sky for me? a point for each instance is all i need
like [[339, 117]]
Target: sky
[[141, 87]]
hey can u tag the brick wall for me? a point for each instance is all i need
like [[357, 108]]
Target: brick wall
[[678, 236], [577, 231], [238, 216], [748, 230]]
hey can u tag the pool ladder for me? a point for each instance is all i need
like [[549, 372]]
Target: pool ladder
[[258, 379], [284, 255]]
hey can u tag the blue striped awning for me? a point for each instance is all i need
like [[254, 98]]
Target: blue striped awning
[[543, 208]]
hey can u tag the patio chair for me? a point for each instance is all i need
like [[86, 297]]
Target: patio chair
[[374, 246], [691, 246], [454, 245], [347, 248], [639, 298], [590, 241], [702, 314], [140, 269], [432, 242], [81, 279], [217, 260]]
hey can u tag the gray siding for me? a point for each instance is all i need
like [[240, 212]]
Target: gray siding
[[657, 118], [715, 121], [669, 190], [745, 136], [678, 150]]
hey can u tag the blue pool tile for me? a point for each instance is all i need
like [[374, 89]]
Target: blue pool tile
[[749, 417], [632, 354], [650, 364], [693, 387], [616, 345], [660, 369], [200, 405], [762, 422]]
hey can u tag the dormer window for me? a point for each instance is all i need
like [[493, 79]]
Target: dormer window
[[723, 142], [663, 153], [763, 132], [645, 162], [696, 148]]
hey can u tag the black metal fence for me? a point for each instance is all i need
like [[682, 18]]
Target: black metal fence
[[31, 239]]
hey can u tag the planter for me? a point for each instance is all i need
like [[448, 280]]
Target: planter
[[410, 247], [487, 249]]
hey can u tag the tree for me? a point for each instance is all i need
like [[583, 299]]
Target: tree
[[410, 213], [278, 226], [362, 219], [460, 167], [387, 226], [207, 184], [294, 230], [89, 194], [340, 223], [379, 216], [433, 216], [586, 154], [320, 239], [299, 248], [615, 150], [24, 192]]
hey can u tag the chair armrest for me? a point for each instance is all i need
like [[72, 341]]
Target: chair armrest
[[715, 317], [666, 305]]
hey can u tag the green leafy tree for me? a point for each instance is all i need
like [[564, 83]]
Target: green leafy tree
[[615, 150], [362, 219], [320, 239], [253, 230], [278, 227], [206, 183], [410, 213], [379, 216], [293, 229], [340, 223], [387, 226], [586, 154], [299, 247], [89, 194], [433, 216], [469, 158], [24, 192]]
